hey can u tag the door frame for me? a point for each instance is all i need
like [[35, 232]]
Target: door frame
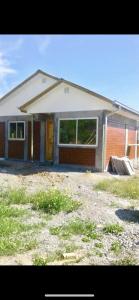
[[51, 120]]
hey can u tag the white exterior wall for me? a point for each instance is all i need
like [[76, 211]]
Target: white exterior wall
[[9, 105], [76, 100]]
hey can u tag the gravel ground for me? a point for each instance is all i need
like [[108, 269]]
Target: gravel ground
[[98, 207]]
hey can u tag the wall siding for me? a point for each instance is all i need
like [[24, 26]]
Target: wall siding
[[78, 156], [2, 139], [16, 149]]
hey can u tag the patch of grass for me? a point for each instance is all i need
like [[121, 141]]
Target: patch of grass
[[15, 245], [76, 227], [116, 247], [98, 245], [70, 248], [53, 202], [123, 188], [113, 228], [15, 196], [86, 239], [41, 261], [7, 212], [9, 226], [126, 261], [15, 236]]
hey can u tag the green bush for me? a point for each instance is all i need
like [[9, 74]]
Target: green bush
[[53, 202]]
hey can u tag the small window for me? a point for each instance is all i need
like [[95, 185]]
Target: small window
[[16, 130]]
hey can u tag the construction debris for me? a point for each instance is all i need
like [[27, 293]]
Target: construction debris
[[122, 166]]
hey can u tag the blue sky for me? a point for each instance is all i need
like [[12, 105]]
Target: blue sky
[[106, 64]]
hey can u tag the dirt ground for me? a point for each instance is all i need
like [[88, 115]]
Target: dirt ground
[[99, 207]]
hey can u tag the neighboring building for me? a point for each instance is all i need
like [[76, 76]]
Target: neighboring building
[[50, 119]]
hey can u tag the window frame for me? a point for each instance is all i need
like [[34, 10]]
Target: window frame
[[15, 139], [78, 145]]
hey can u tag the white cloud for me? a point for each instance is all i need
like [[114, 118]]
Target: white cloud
[[43, 44], [7, 58], [5, 67], [10, 46], [5, 70]]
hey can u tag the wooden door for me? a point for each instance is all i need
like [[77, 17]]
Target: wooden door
[[49, 139]]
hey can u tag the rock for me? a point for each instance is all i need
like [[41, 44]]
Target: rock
[[70, 255]]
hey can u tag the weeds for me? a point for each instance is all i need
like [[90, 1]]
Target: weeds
[[126, 261], [53, 202], [116, 247], [98, 245], [76, 227], [41, 261], [123, 188], [113, 228]]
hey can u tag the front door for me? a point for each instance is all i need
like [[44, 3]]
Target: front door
[[49, 139]]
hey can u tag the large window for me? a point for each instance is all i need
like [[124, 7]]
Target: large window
[[16, 130], [78, 132]]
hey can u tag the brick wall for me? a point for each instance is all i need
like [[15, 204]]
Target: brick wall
[[115, 142], [78, 156], [116, 136]]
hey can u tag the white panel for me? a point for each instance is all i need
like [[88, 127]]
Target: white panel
[[75, 100], [9, 105]]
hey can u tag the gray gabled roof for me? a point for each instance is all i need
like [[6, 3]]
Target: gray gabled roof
[[115, 103], [59, 81]]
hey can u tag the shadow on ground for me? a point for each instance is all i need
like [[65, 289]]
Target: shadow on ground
[[29, 168], [129, 215]]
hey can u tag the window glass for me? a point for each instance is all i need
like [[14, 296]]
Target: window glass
[[20, 130], [16, 130], [86, 132], [12, 129], [67, 134]]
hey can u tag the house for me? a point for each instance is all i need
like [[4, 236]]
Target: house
[[46, 118]]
